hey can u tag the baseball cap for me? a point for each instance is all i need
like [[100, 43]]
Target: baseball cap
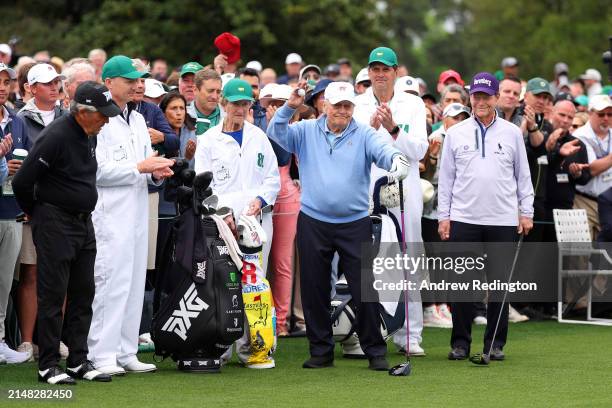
[[582, 100], [599, 102], [450, 74], [384, 55], [509, 62], [43, 73], [561, 68], [537, 86], [407, 84], [591, 73], [564, 96], [238, 90], [191, 68], [91, 93], [344, 61], [121, 66], [293, 58], [154, 88], [320, 87], [332, 68], [455, 109], [484, 82], [310, 67], [225, 78], [229, 45], [362, 75], [340, 91], [256, 65], [268, 90], [6, 49], [10, 71]]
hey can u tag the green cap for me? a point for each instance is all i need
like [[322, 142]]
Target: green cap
[[238, 90], [191, 68], [537, 86], [383, 55], [121, 66]]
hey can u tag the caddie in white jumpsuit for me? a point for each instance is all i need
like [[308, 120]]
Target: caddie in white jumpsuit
[[400, 120], [240, 156], [125, 165]]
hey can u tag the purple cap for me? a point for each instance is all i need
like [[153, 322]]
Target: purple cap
[[484, 82]]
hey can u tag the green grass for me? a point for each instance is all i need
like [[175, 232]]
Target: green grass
[[547, 365]]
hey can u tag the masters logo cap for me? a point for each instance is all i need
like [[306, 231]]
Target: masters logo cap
[[91, 93], [43, 74], [238, 90], [121, 66], [340, 91], [537, 86], [384, 55], [191, 68], [484, 82], [599, 103]]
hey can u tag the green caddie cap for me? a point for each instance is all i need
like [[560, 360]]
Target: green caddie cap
[[121, 66], [384, 55], [537, 86], [191, 68], [238, 90]]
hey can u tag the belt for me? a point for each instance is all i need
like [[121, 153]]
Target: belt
[[82, 216], [590, 197]]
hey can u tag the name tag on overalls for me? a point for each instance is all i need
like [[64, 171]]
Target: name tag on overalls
[[562, 178]]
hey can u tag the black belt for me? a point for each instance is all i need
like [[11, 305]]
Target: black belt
[[590, 197], [82, 216]]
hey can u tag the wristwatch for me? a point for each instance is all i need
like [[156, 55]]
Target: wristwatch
[[533, 130], [395, 130]]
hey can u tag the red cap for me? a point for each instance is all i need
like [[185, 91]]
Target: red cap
[[450, 74], [228, 45]]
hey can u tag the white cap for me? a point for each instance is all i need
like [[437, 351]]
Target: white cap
[[154, 88], [268, 90], [455, 109], [309, 67], [362, 76], [282, 92], [256, 65], [6, 49], [340, 91], [225, 78], [591, 73], [43, 73], [11, 72], [599, 102], [407, 84], [293, 58]]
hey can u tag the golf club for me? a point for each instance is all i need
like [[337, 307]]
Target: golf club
[[210, 203], [265, 210], [483, 359], [404, 369]]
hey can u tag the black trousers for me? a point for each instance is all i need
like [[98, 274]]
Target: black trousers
[[66, 250], [317, 241], [497, 267]]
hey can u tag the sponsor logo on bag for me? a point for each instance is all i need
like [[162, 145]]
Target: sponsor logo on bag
[[201, 273], [223, 250], [190, 307]]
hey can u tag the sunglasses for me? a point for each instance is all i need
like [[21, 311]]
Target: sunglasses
[[603, 114]]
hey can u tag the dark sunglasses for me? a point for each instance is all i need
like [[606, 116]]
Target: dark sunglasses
[[602, 114]]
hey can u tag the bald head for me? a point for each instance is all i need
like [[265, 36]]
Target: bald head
[[563, 115]]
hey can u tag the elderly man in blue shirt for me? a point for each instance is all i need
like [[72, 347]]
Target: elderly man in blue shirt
[[336, 154]]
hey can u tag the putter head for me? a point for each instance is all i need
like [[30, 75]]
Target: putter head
[[401, 370], [480, 359]]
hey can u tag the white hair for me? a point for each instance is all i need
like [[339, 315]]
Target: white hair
[[75, 107], [71, 71], [140, 65], [97, 51]]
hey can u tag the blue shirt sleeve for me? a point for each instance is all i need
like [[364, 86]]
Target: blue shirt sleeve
[[3, 170], [171, 141]]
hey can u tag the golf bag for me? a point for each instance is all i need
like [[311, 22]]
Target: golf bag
[[342, 306], [198, 302]]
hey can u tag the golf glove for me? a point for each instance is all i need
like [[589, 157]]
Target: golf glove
[[399, 167], [251, 233]]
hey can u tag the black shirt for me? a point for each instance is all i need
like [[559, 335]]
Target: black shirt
[[60, 169], [560, 185]]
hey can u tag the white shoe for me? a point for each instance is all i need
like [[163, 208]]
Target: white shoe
[[2, 359], [63, 349], [431, 318], [27, 347], [480, 320], [12, 356], [445, 314], [516, 317], [416, 350], [111, 370], [139, 367]]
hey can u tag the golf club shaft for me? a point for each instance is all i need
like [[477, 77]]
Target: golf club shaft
[[403, 246], [501, 309]]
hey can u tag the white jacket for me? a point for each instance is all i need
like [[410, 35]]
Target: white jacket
[[409, 113], [240, 173]]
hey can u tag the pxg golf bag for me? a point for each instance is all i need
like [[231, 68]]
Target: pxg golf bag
[[198, 302]]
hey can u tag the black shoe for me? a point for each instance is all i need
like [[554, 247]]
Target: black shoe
[[458, 353], [497, 354], [319, 362], [378, 364], [87, 371], [55, 375]]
